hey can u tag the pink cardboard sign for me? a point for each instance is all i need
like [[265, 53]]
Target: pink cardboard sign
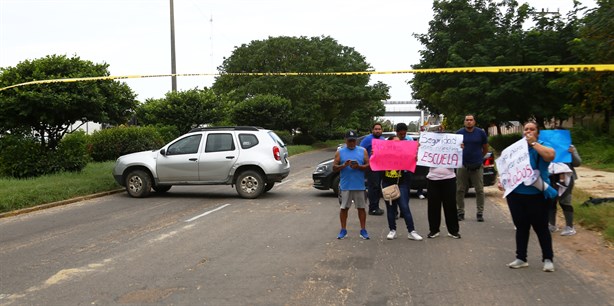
[[394, 155]]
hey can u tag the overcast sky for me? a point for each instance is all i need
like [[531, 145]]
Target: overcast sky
[[133, 36]]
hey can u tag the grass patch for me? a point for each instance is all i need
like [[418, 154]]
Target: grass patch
[[598, 153], [297, 149], [96, 177], [21, 193], [598, 217]]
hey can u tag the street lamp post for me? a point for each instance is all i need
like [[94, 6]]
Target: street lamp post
[[173, 65]]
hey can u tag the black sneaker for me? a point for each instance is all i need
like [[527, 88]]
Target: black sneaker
[[432, 235], [480, 218], [376, 212], [461, 217]]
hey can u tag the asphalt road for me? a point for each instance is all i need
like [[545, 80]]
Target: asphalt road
[[204, 245]]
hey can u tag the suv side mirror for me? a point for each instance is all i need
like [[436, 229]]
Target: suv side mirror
[[163, 152]]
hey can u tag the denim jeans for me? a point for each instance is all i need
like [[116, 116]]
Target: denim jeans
[[401, 203]]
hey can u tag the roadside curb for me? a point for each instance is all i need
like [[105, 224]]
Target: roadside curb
[[58, 203]]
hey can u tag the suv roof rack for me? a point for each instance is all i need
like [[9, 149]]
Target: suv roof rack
[[226, 128]]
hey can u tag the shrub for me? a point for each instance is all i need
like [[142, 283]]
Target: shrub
[[168, 132], [285, 136], [500, 142], [109, 144], [72, 154], [326, 134], [581, 135], [23, 157], [303, 139]]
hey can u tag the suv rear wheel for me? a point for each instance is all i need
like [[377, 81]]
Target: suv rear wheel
[[138, 184], [250, 184]]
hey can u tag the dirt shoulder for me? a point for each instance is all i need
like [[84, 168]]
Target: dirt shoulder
[[597, 183]]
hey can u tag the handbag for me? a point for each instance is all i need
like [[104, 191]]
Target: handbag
[[391, 192]]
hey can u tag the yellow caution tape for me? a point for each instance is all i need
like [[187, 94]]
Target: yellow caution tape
[[494, 69]]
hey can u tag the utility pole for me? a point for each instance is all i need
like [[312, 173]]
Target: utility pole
[[173, 65]]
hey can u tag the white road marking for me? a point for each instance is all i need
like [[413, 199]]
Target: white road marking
[[206, 213]]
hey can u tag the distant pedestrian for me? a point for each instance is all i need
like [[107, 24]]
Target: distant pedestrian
[[565, 183], [373, 177], [352, 161], [420, 193], [529, 205], [475, 146]]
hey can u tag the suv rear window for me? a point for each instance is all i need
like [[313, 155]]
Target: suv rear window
[[277, 139], [248, 140]]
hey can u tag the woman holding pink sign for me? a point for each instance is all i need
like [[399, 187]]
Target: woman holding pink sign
[[401, 178], [529, 204]]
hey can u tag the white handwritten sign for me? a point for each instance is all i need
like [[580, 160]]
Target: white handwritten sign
[[514, 165], [440, 150]]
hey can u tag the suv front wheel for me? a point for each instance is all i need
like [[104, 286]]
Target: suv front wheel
[[250, 184], [138, 184]]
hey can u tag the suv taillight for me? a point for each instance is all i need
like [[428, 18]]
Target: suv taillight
[[276, 153]]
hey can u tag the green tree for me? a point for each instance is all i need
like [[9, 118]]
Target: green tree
[[591, 93], [49, 110], [461, 34], [317, 102], [268, 111], [485, 33], [183, 109]]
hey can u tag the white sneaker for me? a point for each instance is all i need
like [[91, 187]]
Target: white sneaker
[[517, 264], [414, 236], [421, 197], [552, 228], [568, 231], [548, 265], [392, 235]]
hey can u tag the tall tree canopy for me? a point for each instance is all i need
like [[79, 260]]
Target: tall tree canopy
[[317, 102], [592, 92], [487, 33], [51, 109], [183, 109]]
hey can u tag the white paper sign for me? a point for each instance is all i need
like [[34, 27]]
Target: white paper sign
[[440, 150], [514, 165]]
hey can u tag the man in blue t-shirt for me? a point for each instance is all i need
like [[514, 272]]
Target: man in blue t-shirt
[[352, 161], [373, 177], [475, 146]]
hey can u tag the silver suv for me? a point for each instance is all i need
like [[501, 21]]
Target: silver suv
[[250, 158]]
